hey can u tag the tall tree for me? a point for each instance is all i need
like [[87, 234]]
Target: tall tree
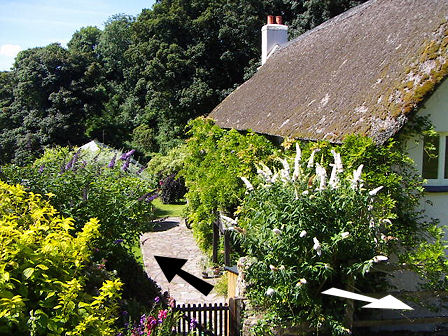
[[55, 91], [85, 40], [139, 81]]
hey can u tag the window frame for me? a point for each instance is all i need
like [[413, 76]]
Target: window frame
[[440, 180]]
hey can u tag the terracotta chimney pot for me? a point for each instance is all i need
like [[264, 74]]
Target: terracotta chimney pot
[[271, 19], [279, 20]]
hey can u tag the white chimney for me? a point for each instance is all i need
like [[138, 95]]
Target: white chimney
[[272, 35]]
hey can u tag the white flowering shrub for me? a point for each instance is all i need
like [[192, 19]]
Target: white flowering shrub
[[311, 228]]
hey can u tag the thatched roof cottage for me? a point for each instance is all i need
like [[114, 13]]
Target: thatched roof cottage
[[366, 71]]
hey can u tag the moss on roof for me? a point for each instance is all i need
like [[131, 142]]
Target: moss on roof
[[361, 72]]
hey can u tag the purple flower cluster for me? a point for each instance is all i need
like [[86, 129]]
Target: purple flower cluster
[[158, 319], [148, 197], [193, 323], [126, 164], [112, 162], [127, 155], [140, 170], [73, 161]]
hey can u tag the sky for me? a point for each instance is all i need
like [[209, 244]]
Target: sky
[[35, 23]]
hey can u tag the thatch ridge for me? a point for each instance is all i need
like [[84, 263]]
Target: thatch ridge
[[362, 72]]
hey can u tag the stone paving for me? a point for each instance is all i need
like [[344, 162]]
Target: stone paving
[[172, 238]]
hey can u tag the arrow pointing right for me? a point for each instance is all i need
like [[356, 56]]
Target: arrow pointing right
[[387, 302]]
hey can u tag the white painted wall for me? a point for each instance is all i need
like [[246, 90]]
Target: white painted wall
[[436, 108]]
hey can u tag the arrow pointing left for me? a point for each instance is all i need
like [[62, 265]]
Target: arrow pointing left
[[172, 267], [387, 302]]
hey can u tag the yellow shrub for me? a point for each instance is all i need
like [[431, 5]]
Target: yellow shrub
[[42, 271]]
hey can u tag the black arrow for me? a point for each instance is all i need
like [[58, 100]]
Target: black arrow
[[172, 266]]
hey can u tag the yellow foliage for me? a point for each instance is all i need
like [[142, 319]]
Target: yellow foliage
[[42, 279]]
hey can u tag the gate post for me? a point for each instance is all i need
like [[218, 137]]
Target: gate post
[[226, 248], [215, 242], [235, 308]]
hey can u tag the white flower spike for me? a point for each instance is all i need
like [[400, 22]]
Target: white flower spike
[[266, 169], [303, 234], [379, 258], [357, 177], [284, 173], [311, 159], [229, 220], [334, 181], [322, 174], [297, 159], [317, 247], [270, 291], [345, 235], [375, 191], [301, 282], [262, 173], [337, 161], [249, 185]]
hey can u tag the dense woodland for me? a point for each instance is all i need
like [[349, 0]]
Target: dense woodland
[[137, 82]]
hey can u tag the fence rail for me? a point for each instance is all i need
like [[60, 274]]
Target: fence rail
[[211, 319]]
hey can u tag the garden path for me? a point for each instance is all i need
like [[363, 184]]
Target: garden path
[[172, 238]]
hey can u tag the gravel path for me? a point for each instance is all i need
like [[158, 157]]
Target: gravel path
[[173, 239]]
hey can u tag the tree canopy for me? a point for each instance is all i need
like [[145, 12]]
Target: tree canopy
[[137, 82]]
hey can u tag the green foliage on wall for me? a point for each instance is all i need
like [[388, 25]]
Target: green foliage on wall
[[44, 275], [215, 160]]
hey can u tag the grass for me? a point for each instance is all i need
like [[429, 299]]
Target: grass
[[221, 285], [168, 210], [137, 252]]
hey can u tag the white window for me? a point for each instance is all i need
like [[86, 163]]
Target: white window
[[435, 160]]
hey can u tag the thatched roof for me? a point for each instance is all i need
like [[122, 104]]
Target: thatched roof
[[361, 72]]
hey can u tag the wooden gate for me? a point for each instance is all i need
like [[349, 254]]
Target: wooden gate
[[211, 319]]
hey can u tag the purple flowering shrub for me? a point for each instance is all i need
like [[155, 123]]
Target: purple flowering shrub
[[162, 321], [83, 187]]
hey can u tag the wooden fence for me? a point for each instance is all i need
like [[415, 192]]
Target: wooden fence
[[211, 319]]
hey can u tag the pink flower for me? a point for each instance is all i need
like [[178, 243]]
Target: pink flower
[[162, 314], [151, 322]]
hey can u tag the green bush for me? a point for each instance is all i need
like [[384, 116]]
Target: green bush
[[162, 166], [43, 273], [85, 186], [306, 230], [215, 159]]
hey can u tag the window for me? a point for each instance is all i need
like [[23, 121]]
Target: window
[[431, 147], [435, 159]]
